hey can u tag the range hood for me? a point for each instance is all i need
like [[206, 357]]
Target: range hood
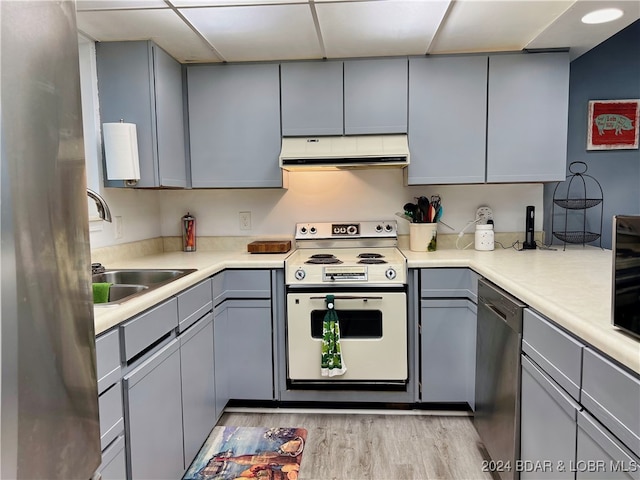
[[344, 152]]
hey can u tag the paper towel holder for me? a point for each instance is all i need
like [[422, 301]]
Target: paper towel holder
[[121, 152]]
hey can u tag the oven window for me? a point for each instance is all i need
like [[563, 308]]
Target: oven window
[[353, 323]]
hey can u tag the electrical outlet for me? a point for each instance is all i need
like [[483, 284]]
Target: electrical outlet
[[245, 220], [483, 214], [117, 227]]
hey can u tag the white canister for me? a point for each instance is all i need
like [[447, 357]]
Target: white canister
[[423, 237], [484, 238]]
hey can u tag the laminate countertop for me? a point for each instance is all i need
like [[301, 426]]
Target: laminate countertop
[[572, 287]]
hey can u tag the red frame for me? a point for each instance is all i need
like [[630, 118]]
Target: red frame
[[613, 124]]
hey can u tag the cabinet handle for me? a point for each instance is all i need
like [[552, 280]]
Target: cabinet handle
[[348, 297]]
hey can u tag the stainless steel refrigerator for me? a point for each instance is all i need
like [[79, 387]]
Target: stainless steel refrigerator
[[49, 411]]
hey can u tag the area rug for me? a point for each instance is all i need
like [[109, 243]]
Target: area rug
[[249, 452]]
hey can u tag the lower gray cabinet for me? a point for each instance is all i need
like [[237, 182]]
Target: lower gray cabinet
[[198, 391], [153, 415], [448, 346], [243, 349], [547, 426], [600, 455]]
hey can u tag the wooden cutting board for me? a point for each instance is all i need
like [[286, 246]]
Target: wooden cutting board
[[269, 246]]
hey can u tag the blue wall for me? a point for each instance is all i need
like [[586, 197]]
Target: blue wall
[[609, 71]]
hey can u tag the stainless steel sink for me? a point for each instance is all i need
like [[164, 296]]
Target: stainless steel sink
[[130, 283]]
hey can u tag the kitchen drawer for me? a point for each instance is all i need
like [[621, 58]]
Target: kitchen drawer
[[612, 395], [113, 465], [194, 303], [108, 359], [448, 283], [111, 422], [146, 329], [556, 352], [241, 284]]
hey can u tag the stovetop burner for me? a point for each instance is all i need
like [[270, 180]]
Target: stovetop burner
[[323, 259], [370, 255], [371, 261]]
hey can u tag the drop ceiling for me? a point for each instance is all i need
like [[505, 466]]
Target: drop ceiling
[[204, 31]]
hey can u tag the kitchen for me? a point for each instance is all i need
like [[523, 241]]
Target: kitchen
[[147, 215]]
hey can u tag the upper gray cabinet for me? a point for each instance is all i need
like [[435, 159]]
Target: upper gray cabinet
[[528, 117], [375, 96], [501, 123], [353, 97], [234, 125], [140, 83], [447, 119], [312, 98]]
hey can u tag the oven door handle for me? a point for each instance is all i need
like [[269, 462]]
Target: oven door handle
[[348, 297]]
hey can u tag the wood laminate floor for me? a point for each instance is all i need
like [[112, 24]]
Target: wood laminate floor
[[378, 446]]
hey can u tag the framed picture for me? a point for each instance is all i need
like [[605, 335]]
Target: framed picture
[[613, 124]]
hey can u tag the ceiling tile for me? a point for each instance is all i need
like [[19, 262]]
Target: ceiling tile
[[230, 3], [495, 25], [255, 33], [374, 28], [162, 26], [82, 5], [569, 30]]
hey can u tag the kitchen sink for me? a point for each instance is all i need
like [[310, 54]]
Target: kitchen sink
[[130, 283]]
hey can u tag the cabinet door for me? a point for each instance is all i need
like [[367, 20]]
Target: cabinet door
[[547, 426], [198, 391], [114, 465], [448, 356], [243, 350], [600, 455], [172, 165], [447, 120], [527, 117], [375, 96], [234, 125], [139, 83], [312, 102], [153, 403]]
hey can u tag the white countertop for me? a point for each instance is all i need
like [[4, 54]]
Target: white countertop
[[572, 287]]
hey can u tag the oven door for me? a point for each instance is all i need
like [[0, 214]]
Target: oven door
[[373, 336]]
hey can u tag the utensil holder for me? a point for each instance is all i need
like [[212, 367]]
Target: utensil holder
[[423, 237]]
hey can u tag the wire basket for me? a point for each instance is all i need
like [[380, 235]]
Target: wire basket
[[576, 236], [577, 203]]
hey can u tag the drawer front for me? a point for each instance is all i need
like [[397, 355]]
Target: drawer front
[[241, 284], [111, 421], [108, 359], [113, 465], [144, 330], [194, 303], [448, 283], [612, 395], [556, 352]]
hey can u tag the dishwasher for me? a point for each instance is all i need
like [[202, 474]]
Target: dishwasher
[[497, 413]]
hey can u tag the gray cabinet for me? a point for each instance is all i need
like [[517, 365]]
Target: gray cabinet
[[154, 416], [234, 125], [243, 329], [448, 343], [140, 83], [527, 117], [547, 426], [600, 455], [312, 98], [198, 390], [375, 96], [447, 119], [448, 335]]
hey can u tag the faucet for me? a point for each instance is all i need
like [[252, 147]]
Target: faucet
[[101, 204]]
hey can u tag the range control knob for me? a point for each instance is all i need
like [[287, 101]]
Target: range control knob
[[351, 230], [300, 274], [388, 227], [303, 230], [390, 273], [312, 230], [378, 228]]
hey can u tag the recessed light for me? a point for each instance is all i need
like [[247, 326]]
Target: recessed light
[[602, 16]]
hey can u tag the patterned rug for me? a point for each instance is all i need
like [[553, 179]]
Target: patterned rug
[[249, 452]]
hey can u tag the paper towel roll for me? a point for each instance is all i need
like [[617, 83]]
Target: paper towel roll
[[121, 151]]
